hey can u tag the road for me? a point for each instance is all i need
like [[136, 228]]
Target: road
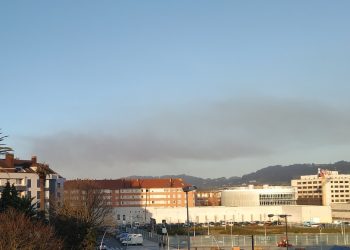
[[114, 244]]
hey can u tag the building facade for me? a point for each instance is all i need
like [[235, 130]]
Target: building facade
[[324, 188], [25, 175], [136, 192], [298, 214], [258, 196], [208, 197], [340, 212]]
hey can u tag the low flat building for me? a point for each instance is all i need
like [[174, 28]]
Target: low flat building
[[258, 196], [340, 212], [298, 214]]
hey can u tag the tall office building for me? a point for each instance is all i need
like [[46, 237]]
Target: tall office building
[[324, 188]]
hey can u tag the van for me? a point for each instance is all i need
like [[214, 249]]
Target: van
[[133, 239]]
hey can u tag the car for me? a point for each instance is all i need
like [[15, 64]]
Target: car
[[122, 236], [230, 223], [102, 247], [133, 239], [283, 243]]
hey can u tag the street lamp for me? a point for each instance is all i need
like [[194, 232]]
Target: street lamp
[[186, 190], [285, 221], [146, 206]]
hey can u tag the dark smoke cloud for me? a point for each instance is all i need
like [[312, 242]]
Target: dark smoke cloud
[[214, 132]]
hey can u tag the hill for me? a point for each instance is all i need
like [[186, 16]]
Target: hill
[[202, 183], [273, 175]]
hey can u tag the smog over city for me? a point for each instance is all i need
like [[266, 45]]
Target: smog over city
[[208, 89]]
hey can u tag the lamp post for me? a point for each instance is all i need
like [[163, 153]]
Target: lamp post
[[146, 205], [285, 221], [186, 190]]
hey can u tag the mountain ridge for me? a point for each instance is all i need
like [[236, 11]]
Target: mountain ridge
[[273, 175]]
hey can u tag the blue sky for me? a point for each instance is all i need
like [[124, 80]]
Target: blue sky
[[207, 88]]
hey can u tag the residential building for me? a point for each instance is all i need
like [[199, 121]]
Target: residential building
[[28, 176], [133, 194], [208, 197], [136, 192], [324, 188], [258, 196]]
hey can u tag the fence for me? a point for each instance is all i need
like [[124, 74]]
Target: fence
[[298, 241]]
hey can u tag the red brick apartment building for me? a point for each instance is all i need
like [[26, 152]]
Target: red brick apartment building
[[208, 198], [135, 192]]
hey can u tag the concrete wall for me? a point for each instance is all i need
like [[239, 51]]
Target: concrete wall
[[298, 214]]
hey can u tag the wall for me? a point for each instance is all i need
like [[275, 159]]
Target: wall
[[298, 214]]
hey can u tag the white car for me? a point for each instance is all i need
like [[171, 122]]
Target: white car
[[133, 239]]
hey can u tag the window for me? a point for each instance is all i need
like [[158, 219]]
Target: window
[[29, 183], [118, 216], [58, 185], [29, 194], [123, 216], [38, 182], [38, 195]]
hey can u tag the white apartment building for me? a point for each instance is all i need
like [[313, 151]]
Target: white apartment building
[[324, 188], [258, 196], [23, 174]]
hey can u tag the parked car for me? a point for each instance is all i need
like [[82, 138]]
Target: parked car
[[102, 247], [283, 243], [133, 239], [122, 236]]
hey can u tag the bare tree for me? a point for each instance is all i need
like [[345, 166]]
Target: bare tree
[[86, 201], [83, 210], [17, 231]]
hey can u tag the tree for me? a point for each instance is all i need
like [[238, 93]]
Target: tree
[[11, 199], [3, 148], [6, 198], [85, 200], [18, 231], [82, 212]]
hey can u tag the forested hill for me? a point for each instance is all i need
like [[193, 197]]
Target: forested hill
[[273, 175]]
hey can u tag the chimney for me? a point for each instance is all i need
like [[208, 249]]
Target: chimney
[[34, 160], [10, 160]]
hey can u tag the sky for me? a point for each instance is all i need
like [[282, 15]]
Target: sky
[[109, 89]]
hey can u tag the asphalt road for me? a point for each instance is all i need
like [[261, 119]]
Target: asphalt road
[[114, 244]]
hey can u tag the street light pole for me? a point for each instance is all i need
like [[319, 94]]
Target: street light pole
[[188, 224], [286, 222], [146, 206], [186, 190]]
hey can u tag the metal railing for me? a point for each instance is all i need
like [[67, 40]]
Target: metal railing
[[298, 241]]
